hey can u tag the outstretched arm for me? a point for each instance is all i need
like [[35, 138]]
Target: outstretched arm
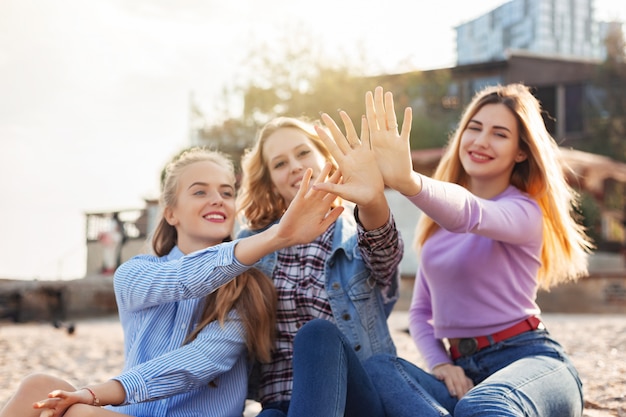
[[307, 217], [361, 180], [392, 149]]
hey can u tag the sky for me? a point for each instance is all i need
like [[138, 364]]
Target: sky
[[95, 95]]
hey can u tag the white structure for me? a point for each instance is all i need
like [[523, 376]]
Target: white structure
[[564, 28]]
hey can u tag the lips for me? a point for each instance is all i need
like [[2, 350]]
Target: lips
[[215, 217], [297, 183], [479, 156]]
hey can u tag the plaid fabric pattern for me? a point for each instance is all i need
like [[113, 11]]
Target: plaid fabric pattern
[[300, 282]]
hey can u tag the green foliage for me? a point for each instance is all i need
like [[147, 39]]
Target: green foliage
[[608, 124], [296, 79], [591, 216]]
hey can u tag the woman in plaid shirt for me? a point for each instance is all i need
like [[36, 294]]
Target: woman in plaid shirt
[[335, 292]]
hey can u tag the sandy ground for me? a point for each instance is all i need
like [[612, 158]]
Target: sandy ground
[[93, 353]]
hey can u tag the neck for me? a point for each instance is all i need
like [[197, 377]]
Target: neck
[[487, 189]]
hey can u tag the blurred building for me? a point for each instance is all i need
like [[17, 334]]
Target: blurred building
[[565, 28]]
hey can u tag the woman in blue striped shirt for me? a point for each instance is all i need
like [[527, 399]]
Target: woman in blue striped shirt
[[194, 313]]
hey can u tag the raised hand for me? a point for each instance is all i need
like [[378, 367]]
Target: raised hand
[[309, 213], [361, 181], [392, 149]]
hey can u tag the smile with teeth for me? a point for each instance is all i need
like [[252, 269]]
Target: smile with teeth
[[215, 216], [479, 156]]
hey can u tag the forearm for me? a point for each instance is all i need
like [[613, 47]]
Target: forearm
[[252, 248], [108, 393], [382, 250], [410, 186], [375, 214]]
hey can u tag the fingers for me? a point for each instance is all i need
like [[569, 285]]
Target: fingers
[[407, 123], [47, 403], [381, 113], [304, 184], [339, 141], [365, 132], [332, 146], [390, 113], [332, 216], [351, 135], [457, 383]]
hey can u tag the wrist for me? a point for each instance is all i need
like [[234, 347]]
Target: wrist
[[412, 186], [95, 401]]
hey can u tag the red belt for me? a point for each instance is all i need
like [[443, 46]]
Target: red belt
[[469, 345]]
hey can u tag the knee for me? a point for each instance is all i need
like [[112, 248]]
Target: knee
[[39, 382], [497, 398], [316, 331]]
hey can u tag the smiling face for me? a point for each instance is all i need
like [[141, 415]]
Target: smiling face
[[489, 149], [287, 153], [204, 212]]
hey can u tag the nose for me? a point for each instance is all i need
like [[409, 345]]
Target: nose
[[296, 165], [215, 198], [482, 139]]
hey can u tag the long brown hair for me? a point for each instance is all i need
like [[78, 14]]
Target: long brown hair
[[565, 243], [257, 203], [251, 294]]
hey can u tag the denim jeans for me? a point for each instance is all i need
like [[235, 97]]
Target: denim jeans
[[527, 375], [328, 378]]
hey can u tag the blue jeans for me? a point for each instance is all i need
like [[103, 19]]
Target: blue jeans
[[527, 375], [328, 378]]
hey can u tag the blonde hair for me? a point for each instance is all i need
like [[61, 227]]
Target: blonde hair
[[565, 244], [257, 202], [251, 294]]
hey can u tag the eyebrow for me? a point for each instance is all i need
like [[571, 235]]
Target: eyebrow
[[291, 150], [204, 184], [495, 127]]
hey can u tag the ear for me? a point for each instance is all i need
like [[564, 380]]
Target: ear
[[170, 218], [521, 157]]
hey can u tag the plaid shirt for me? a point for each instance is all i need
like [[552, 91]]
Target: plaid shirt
[[300, 279]]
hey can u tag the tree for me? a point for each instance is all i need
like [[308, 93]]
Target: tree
[[608, 122]]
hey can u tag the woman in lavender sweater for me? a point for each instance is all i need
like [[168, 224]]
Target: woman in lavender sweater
[[497, 226]]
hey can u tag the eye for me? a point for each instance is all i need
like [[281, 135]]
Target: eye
[[199, 192], [279, 164], [304, 152], [228, 194]]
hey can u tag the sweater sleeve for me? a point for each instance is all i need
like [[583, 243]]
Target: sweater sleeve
[[509, 217]]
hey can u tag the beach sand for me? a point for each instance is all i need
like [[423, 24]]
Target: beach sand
[[94, 353]]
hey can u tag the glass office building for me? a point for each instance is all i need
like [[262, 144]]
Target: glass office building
[[565, 28]]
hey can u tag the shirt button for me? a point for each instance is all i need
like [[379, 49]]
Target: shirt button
[[336, 286], [346, 316], [357, 348]]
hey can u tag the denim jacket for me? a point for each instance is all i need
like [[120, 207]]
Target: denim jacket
[[358, 306]]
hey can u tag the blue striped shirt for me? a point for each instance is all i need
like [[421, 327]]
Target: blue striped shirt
[[158, 297]]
